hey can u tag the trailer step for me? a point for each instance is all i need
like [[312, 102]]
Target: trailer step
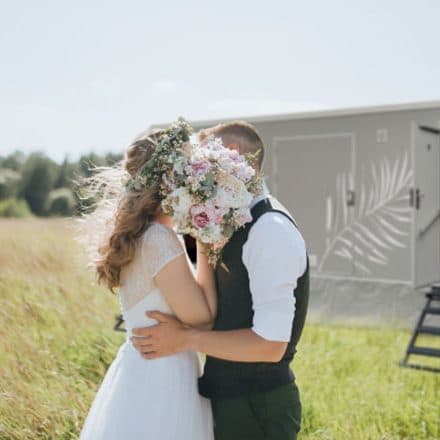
[[425, 351], [429, 330], [420, 367], [421, 329], [434, 295]]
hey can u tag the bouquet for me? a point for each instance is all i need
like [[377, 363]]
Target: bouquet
[[206, 187]]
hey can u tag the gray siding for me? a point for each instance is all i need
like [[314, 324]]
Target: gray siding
[[314, 164]]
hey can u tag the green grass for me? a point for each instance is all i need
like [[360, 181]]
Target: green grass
[[57, 342]]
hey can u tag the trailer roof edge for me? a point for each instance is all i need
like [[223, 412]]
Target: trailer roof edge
[[324, 113]]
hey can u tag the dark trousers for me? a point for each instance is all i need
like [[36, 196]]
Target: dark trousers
[[271, 415]]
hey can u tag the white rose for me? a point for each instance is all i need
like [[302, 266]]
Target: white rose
[[232, 193], [181, 201], [226, 164], [210, 234]]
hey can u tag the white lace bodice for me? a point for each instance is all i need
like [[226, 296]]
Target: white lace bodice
[[149, 398], [155, 248]]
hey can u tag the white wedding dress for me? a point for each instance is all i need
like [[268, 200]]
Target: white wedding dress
[[143, 399]]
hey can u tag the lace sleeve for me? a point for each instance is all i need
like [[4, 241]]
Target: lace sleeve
[[161, 245]]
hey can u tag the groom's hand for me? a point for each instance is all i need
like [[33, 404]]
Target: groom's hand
[[167, 337]]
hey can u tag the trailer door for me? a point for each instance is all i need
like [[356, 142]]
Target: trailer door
[[313, 177], [425, 199]]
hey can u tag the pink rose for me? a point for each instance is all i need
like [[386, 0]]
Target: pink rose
[[215, 213], [200, 168], [199, 216], [201, 220]]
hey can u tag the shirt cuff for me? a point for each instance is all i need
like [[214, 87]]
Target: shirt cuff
[[273, 321]]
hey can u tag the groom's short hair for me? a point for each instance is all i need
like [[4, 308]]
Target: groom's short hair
[[242, 133]]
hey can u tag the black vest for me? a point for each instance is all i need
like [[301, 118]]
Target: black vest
[[226, 378]]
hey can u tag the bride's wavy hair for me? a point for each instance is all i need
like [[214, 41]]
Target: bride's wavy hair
[[117, 217]]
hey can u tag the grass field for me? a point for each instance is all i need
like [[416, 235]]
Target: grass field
[[57, 341]]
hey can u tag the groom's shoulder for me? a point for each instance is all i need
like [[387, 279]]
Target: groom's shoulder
[[280, 212], [278, 221], [277, 234], [278, 206]]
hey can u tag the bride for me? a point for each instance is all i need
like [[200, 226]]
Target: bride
[[140, 254]]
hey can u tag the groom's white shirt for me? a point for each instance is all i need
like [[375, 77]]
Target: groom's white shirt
[[275, 257]]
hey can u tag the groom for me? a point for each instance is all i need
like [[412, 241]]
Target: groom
[[263, 289]]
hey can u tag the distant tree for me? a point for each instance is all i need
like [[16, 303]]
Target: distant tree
[[88, 161], [37, 181], [112, 158], [13, 161], [14, 208], [61, 202], [66, 174], [9, 181]]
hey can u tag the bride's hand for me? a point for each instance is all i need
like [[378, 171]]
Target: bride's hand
[[202, 253], [201, 247]]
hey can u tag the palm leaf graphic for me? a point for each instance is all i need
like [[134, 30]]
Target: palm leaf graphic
[[368, 233]]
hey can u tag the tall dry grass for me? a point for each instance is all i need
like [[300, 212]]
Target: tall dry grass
[[55, 329]]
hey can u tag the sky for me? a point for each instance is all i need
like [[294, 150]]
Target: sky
[[89, 75]]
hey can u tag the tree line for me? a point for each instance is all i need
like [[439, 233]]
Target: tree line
[[34, 184]]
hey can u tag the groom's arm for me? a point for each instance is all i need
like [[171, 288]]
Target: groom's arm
[[242, 345], [170, 336]]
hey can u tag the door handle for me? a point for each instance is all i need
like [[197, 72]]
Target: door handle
[[415, 197], [351, 198]]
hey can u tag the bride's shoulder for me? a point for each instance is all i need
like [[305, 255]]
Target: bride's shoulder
[[159, 244], [159, 234]]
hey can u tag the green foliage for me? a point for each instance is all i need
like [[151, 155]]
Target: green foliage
[[253, 158], [14, 161], [65, 175], [14, 208], [34, 177], [167, 152], [57, 342], [112, 158], [88, 161], [37, 181], [9, 180], [61, 202]]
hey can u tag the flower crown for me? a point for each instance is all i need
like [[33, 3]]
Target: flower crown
[[167, 149]]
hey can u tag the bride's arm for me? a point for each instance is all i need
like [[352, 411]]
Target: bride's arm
[[206, 279], [193, 300]]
